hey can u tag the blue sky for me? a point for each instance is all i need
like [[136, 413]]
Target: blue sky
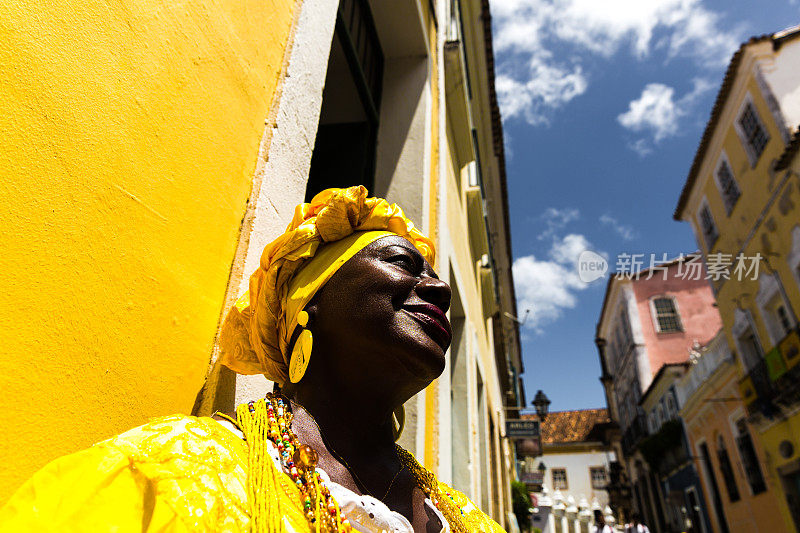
[[603, 104]]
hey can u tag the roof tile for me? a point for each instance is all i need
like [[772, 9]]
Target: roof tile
[[570, 426]]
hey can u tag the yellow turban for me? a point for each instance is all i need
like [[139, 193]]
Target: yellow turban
[[321, 237]]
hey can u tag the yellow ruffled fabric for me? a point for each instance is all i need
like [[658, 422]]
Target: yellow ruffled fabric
[[257, 331], [174, 474]]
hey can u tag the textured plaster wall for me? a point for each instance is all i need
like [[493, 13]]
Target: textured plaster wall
[[130, 136]]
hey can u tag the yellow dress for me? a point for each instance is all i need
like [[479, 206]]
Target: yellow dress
[[174, 474]]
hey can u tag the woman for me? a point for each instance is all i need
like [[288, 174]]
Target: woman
[[347, 316]]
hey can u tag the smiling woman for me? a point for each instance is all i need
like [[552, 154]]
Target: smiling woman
[[347, 316]]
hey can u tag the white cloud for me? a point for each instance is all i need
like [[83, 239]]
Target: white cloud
[[549, 286], [656, 111], [626, 232], [546, 86], [567, 250], [556, 219], [527, 32], [641, 147]]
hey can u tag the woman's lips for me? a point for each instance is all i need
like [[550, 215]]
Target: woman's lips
[[434, 318]]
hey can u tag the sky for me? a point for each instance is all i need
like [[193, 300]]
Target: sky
[[603, 105]]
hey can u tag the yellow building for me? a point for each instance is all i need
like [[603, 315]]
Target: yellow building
[[151, 150], [742, 198], [737, 494]]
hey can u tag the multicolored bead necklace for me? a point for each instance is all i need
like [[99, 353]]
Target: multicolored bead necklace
[[271, 419], [299, 460]]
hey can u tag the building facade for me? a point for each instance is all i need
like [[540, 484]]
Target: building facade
[[724, 446], [574, 467], [668, 454], [145, 175], [649, 319], [741, 200]]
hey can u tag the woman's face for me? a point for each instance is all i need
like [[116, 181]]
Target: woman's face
[[384, 312]]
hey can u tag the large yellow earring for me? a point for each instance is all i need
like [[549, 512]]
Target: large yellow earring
[[301, 353]]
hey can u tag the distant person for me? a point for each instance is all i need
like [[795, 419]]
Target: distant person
[[636, 525], [600, 525]]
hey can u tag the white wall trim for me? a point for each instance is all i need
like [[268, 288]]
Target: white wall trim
[[283, 171]]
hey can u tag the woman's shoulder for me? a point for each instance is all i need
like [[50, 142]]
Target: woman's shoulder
[[176, 467], [474, 519], [176, 436]]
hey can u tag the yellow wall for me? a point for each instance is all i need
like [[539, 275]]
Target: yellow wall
[[130, 135], [754, 188]]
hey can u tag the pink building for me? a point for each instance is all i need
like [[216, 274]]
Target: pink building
[[649, 320]]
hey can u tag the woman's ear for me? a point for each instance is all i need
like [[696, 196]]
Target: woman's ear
[[311, 309]]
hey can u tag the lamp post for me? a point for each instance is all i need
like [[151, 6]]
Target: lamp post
[[542, 403]]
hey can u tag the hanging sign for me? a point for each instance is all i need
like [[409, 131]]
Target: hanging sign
[[522, 429]]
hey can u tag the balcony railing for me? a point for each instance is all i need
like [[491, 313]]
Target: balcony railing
[[774, 382], [665, 450]]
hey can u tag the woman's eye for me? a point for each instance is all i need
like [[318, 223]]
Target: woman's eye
[[404, 261]]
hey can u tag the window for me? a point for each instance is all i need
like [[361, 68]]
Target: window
[[598, 477], [749, 458], [750, 348], [559, 478], [752, 132], [707, 227], [727, 470], [783, 319], [666, 315], [345, 146], [726, 183], [777, 318]]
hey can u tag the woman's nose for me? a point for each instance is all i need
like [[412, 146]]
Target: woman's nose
[[435, 291]]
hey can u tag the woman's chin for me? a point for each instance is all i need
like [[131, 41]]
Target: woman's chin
[[427, 361]]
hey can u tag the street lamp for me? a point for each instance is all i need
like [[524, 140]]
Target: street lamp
[[542, 404]]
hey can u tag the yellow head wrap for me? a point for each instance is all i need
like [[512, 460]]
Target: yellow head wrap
[[321, 237]]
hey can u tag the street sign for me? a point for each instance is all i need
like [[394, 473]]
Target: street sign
[[522, 429], [532, 478]]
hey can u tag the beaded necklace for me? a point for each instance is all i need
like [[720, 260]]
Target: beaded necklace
[[300, 460], [270, 419]]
